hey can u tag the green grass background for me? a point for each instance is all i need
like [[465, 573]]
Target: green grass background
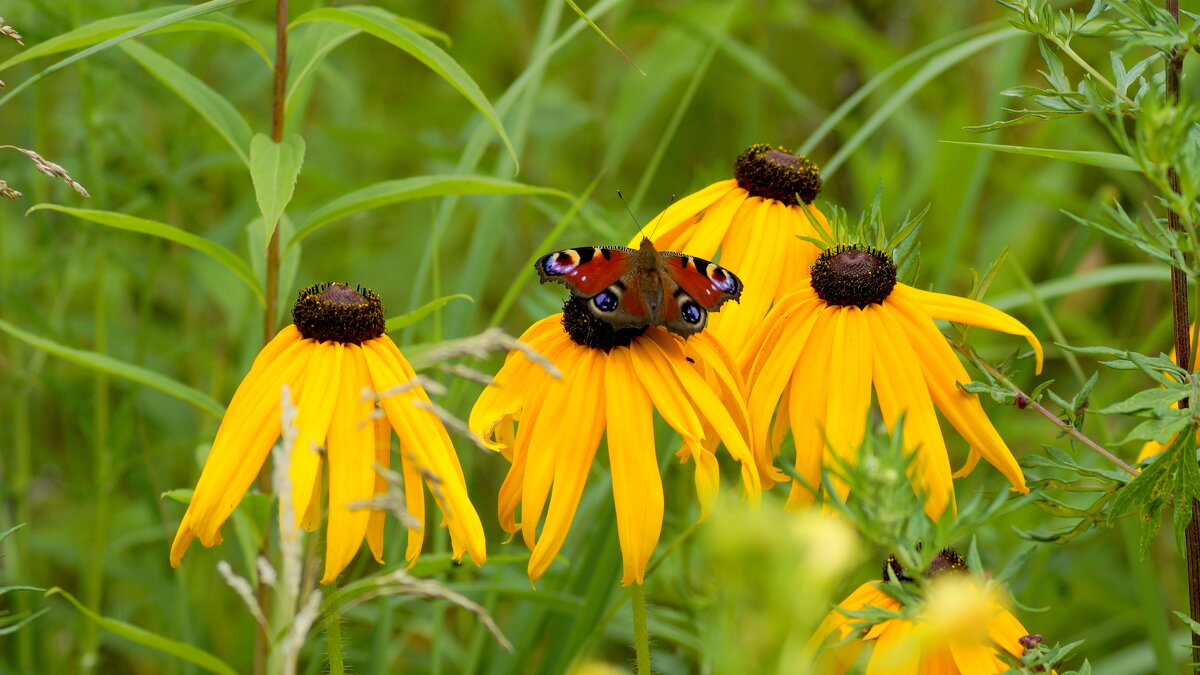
[[85, 457]]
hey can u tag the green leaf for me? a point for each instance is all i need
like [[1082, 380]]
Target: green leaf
[[141, 636], [154, 228], [181, 495], [389, 28], [1108, 275], [274, 168], [112, 26], [1149, 399], [173, 18], [17, 624], [1107, 160], [213, 107], [583, 15], [108, 364], [404, 320], [392, 191]]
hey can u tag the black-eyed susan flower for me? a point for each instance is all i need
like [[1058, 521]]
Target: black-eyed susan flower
[[852, 327], [959, 627], [754, 218], [339, 366], [550, 428]]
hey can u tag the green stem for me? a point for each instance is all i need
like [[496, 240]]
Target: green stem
[[1065, 46], [641, 636], [102, 476], [333, 631]]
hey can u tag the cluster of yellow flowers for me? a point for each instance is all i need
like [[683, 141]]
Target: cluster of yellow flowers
[[815, 333]]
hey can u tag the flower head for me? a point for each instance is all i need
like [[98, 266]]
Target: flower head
[[754, 218], [550, 428], [959, 627], [340, 366], [852, 327]]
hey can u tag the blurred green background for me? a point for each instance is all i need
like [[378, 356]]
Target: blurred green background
[[84, 458]]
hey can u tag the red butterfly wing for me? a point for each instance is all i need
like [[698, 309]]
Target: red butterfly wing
[[707, 283], [586, 270]]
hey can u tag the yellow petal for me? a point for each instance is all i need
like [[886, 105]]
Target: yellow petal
[[901, 390], [671, 227], [351, 457], [849, 379], [972, 658], [963, 410], [708, 479], [512, 490], [502, 399], [723, 375], [250, 426], [570, 428], [703, 239], [425, 439], [636, 484], [414, 503], [754, 249], [962, 310], [312, 515], [748, 356], [314, 410], [383, 457], [811, 376], [895, 651], [663, 388]]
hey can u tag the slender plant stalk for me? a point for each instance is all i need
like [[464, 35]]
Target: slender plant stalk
[[262, 640], [102, 468], [1183, 346], [1024, 401], [333, 631], [641, 637]]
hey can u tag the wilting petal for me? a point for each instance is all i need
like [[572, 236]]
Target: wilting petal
[[963, 410], [314, 410], [570, 428], [901, 390], [636, 485], [963, 310], [351, 457]]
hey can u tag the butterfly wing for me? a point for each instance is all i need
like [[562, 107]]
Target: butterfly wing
[[692, 288], [605, 275]]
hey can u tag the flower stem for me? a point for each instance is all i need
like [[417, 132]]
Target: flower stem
[[333, 631], [1025, 401], [641, 637]]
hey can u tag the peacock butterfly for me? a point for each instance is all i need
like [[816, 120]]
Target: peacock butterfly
[[631, 288]]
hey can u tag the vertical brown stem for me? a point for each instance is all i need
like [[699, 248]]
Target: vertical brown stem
[[1183, 356], [261, 639]]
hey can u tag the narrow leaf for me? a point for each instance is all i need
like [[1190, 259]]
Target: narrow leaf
[[18, 624], [274, 168], [392, 191], [405, 320], [154, 228], [583, 15], [1107, 160], [141, 636], [390, 29], [108, 364]]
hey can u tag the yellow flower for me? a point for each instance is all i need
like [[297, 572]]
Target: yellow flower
[[822, 347], [958, 629], [336, 359], [550, 428], [754, 218]]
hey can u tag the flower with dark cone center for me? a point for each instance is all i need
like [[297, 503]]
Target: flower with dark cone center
[[947, 562], [848, 274], [334, 311], [589, 330], [775, 173]]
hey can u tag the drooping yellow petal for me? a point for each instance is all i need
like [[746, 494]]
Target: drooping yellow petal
[[314, 410], [351, 457], [571, 427], [543, 434], [503, 397], [663, 388], [836, 626], [250, 426], [708, 405], [753, 248], [811, 375], [963, 310], [312, 515], [383, 457], [636, 485], [669, 228], [750, 355], [423, 436], [512, 490], [702, 239], [901, 390], [801, 254], [414, 503], [895, 651], [972, 657], [963, 410], [708, 479], [849, 387]]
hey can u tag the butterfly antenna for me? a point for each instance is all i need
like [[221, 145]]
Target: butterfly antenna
[[631, 216]]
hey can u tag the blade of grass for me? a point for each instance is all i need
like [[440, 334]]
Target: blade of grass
[[1106, 160]]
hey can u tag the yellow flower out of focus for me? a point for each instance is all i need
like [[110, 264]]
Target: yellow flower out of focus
[[550, 428], [754, 218], [957, 629], [336, 360], [850, 328]]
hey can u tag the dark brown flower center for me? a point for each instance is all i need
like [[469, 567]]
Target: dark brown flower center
[[773, 173], [336, 312], [851, 275], [589, 330], [946, 562]]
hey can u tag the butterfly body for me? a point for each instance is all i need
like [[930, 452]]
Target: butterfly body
[[634, 288]]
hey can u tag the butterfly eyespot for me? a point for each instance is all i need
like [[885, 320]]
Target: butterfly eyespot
[[605, 301], [691, 313]]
